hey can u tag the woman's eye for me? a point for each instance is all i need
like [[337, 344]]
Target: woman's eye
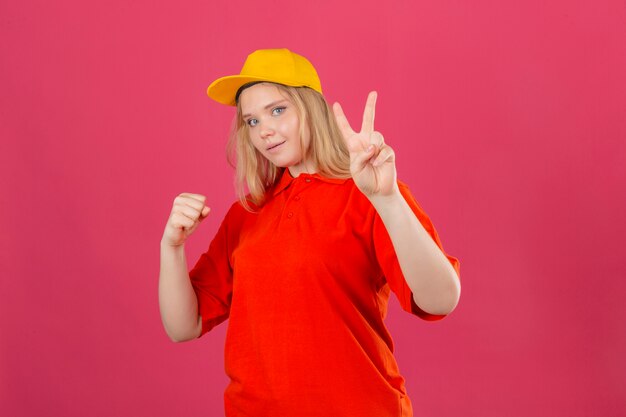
[[278, 110]]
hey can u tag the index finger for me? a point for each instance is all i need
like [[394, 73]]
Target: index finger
[[369, 112], [198, 197], [342, 121]]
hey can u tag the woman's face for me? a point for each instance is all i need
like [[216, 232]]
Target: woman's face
[[274, 126]]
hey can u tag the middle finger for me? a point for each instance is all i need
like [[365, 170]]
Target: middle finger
[[369, 112]]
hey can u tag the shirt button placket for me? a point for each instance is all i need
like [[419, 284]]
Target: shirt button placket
[[297, 198]]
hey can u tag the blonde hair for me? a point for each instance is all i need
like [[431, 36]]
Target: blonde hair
[[326, 149]]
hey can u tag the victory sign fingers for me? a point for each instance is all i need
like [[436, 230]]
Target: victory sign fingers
[[372, 162], [360, 141]]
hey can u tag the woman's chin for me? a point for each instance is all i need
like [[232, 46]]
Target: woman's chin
[[282, 162]]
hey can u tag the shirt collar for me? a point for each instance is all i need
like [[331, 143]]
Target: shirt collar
[[286, 179]]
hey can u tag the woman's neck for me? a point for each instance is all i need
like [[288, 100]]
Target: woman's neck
[[296, 170]]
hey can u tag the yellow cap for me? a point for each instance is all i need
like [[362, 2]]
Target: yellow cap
[[274, 65]]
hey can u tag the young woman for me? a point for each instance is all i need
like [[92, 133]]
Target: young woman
[[304, 263]]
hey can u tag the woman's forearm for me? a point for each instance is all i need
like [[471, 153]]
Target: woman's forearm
[[177, 300], [433, 280]]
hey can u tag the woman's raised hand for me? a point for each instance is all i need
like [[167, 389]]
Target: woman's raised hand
[[187, 213], [372, 162]]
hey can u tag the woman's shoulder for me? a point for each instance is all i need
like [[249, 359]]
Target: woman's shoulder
[[238, 209], [235, 219]]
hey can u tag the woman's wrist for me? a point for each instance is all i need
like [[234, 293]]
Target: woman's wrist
[[385, 202], [165, 245]]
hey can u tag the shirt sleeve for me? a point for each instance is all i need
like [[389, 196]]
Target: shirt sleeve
[[388, 260], [212, 275]]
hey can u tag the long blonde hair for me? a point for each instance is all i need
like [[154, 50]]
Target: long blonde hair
[[327, 149]]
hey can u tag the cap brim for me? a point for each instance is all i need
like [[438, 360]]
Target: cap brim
[[223, 90]]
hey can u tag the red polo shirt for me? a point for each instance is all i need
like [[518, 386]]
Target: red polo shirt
[[305, 283]]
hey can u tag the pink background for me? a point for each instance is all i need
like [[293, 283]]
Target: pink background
[[509, 121]]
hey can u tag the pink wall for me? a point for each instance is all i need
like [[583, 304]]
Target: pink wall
[[509, 121]]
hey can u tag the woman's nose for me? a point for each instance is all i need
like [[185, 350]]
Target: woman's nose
[[267, 130]]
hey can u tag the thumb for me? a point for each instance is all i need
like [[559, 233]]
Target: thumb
[[205, 212]]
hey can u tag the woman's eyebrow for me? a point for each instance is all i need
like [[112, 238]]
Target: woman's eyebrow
[[272, 104]]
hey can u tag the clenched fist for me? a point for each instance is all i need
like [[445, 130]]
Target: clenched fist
[[187, 213]]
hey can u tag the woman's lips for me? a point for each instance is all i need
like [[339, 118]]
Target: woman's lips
[[275, 147]]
